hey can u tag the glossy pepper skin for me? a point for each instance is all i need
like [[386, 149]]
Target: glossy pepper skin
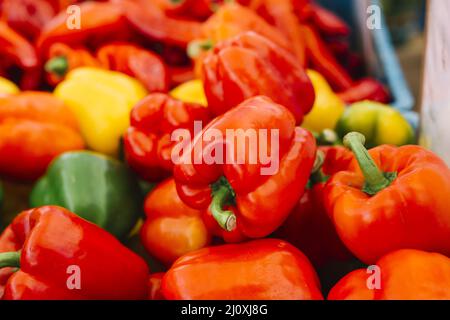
[[250, 65], [234, 272], [136, 62], [380, 124], [171, 228], [51, 239], [101, 101], [63, 59], [309, 227], [35, 127], [97, 188], [262, 195], [101, 22], [18, 52], [147, 142], [390, 198], [405, 275]]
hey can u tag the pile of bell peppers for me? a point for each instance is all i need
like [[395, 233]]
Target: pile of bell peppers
[[87, 123]]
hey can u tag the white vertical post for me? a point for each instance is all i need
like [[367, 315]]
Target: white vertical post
[[435, 103]]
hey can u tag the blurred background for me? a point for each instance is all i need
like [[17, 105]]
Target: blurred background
[[406, 21]]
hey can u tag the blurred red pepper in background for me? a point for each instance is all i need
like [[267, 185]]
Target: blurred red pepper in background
[[147, 142], [190, 9], [232, 19], [309, 227], [151, 21], [52, 239], [136, 62], [250, 65], [404, 275], [262, 195], [366, 89], [18, 53], [28, 17], [171, 228], [328, 23], [323, 60], [266, 269], [281, 13], [382, 201], [100, 22], [35, 127]]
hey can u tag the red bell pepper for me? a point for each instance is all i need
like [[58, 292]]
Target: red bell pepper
[[258, 270], [366, 89], [404, 275], [190, 9], [250, 65], [35, 127], [154, 285], [151, 21], [327, 22], [281, 13], [137, 62], [18, 52], [28, 17], [390, 198], [309, 227], [52, 242], [260, 200], [171, 228], [148, 142], [100, 22], [323, 60]]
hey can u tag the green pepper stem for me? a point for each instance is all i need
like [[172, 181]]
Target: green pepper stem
[[375, 179], [10, 259], [57, 65], [226, 219]]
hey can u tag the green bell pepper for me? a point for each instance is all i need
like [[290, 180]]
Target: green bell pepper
[[379, 123], [98, 188]]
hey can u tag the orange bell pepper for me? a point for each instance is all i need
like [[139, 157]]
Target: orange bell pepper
[[389, 199], [171, 229], [35, 127], [404, 275]]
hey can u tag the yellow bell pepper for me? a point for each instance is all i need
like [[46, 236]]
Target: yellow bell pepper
[[191, 92], [7, 87], [102, 101], [328, 107]]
